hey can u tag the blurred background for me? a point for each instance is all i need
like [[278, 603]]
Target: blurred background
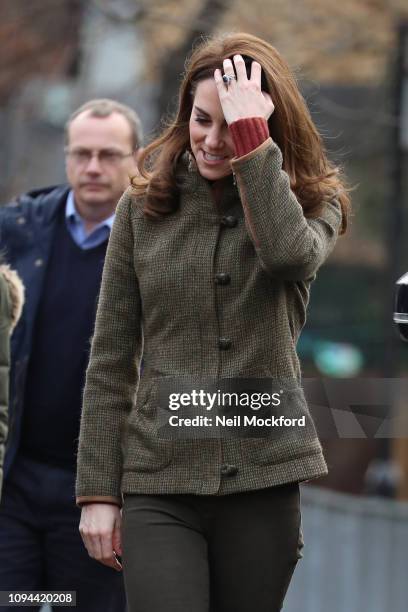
[[351, 61]]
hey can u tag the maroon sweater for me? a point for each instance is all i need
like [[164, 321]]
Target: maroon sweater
[[248, 134]]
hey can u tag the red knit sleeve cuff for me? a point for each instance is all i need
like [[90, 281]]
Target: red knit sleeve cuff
[[248, 134]]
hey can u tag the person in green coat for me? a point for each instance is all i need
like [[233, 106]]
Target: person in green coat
[[11, 303], [207, 279]]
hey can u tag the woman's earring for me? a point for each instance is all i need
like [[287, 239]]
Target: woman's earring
[[191, 162]]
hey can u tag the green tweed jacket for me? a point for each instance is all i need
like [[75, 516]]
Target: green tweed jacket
[[161, 298]]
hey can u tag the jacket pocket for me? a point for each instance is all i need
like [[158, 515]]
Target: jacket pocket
[[144, 450], [288, 432]]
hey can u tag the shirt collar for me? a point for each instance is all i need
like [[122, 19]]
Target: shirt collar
[[72, 214]]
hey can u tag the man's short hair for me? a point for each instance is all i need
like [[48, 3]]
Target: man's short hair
[[104, 107]]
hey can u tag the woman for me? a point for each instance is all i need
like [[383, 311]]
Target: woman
[[207, 276], [11, 303]]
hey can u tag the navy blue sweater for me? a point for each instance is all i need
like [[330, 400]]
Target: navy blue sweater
[[61, 344]]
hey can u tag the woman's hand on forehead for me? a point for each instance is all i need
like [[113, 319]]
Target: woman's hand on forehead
[[241, 97]]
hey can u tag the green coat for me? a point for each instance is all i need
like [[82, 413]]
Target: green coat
[[160, 299], [11, 302]]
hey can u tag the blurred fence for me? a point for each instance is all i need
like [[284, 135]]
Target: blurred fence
[[355, 555]]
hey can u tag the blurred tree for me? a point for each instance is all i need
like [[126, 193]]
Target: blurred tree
[[172, 65], [37, 38]]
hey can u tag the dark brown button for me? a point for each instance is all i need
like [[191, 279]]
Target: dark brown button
[[224, 344], [229, 221], [222, 278], [229, 470]]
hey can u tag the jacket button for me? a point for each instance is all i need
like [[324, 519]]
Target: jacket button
[[229, 221], [38, 263], [229, 470], [223, 278], [224, 344]]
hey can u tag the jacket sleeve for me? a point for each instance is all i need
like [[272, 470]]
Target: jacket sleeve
[[5, 325], [113, 371], [289, 245]]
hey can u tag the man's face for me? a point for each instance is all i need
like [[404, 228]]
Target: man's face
[[99, 159]]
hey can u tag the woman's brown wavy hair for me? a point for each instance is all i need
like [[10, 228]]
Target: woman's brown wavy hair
[[313, 178]]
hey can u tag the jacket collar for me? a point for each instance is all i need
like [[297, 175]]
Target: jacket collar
[[199, 195], [48, 200]]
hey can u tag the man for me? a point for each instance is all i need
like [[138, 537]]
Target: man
[[56, 239]]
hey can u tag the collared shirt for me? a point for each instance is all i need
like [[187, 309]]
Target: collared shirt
[[76, 226]]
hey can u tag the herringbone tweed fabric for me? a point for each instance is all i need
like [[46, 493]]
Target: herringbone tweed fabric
[[159, 299]]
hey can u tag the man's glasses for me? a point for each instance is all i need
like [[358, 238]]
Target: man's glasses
[[106, 157]]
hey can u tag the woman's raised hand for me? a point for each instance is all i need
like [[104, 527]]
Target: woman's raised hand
[[100, 530], [241, 97]]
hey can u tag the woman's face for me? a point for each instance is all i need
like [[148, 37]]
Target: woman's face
[[210, 140]]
